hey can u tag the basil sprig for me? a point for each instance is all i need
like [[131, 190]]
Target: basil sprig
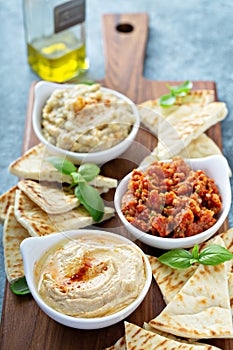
[[86, 194], [182, 259], [20, 286], [180, 90]]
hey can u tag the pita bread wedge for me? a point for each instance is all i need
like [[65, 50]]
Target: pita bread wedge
[[169, 280], [6, 200], [52, 197], [201, 309], [39, 223], [185, 105], [138, 338], [33, 165], [119, 345], [176, 131], [13, 235], [49, 196], [201, 147]]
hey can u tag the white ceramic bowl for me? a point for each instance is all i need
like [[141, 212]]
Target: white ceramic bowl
[[34, 247], [216, 167], [43, 90]]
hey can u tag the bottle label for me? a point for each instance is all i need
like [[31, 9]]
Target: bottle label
[[69, 14]]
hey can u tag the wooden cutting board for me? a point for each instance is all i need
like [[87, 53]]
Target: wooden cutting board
[[24, 326]]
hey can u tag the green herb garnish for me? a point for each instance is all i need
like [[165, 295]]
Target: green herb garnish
[[20, 287], [86, 194], [180, 90], [182, 259]]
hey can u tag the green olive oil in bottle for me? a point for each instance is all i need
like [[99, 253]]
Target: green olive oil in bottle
[[55, 35]]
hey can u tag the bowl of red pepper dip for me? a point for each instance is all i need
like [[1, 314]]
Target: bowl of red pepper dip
[[175, 203]]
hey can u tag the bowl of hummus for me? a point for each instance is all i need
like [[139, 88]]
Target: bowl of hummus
[[175, 203], [86, 279], [84, 123]]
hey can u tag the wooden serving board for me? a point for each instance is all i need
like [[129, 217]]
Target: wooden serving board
[[24, 326]]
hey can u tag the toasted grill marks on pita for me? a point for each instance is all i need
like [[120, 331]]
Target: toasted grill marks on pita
[[203, 146], [180, 127], [119, 345], [33, 165], [138, 338], [49, 196], [192, 102], [6, 200], [169, 280], [13, 235], [39, 223], [200, 309], [176, 132]]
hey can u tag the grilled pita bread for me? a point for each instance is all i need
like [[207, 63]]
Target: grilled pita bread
[[138, 338], [13, 235], [176, 132], [184, 105], [169, 280], [49, 196], [180, 127], [52, 197], [200, 309], [119, 345], [201, 147], [39, 223], [33, 165], [6, 200]]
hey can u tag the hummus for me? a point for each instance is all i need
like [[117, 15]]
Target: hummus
[[90, 276], [86, 118]]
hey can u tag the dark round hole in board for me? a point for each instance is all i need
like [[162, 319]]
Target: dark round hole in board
[[124, 28]]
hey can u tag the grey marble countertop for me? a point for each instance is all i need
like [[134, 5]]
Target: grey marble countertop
[[187, 40]]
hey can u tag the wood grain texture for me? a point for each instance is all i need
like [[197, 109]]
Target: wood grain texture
[[24, 326]]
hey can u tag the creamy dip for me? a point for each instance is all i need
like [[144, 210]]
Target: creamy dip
[[86, 118], [90, 276]]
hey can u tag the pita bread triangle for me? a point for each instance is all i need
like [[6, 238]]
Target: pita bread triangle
[[13, 235], [200, 309], [193, 101], [39, 223], [170, 280], [202, 146], [138, 338], [33, 165], [49, 196], [6, 200], [176, 132], [119, 345], [52, 197]]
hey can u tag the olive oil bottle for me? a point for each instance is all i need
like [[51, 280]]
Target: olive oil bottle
[[55, 36]]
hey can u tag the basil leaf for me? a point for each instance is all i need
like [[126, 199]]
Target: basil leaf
[[214, 255], [20, 287], [89, 171], [195, 251], [177, 258], [181, 90], [167, 100], [77, 178], [91, 200], [62, 165]]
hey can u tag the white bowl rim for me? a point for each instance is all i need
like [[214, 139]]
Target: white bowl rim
[[37, 128], [55, 238], [185, 240]]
